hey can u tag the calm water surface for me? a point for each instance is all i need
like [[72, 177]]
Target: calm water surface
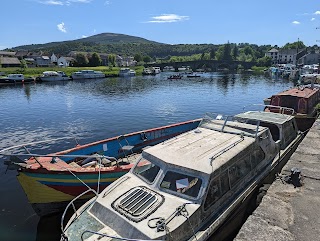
[[97, 109]]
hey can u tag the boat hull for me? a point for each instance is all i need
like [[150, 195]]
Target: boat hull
[[51, 186], [54, 79]]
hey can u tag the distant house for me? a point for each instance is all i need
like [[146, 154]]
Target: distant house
[[22, 54], [65, 61], [309, 58], [9, 62], [7, 54], [273, 54], [54, 58], [43, 61]]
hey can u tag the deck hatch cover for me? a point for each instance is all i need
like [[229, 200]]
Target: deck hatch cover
[[138, 203]]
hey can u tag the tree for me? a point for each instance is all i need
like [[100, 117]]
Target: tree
[[235, 52], [226, 55], [81, 59], [248, 50], [212, 53], [138, 57], [112, 60], [294, 45], [146, 59], [95, 60], [202, 56], [23, 64], [265, 61]]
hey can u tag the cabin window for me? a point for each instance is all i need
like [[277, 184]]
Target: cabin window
[[217, 188], [213, 193], [239, 170], [146, 170], [275, 133], [257, 156], [181, 183]]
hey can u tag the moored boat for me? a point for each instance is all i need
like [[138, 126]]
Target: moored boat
[[13, 79], [127, 72], [52, 76], [87, 74], [191, 184], [51, 181], [302, 101]]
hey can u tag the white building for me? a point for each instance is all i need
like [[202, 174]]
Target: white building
[[64, 61], [54, 58]]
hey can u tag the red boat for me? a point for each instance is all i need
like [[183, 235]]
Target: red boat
[[301, 100]]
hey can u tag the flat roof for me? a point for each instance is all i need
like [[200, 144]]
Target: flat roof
[[269, 117], [304, 92], [195, 149]]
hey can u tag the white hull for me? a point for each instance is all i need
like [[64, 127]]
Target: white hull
[[54, 78], [88, 76]]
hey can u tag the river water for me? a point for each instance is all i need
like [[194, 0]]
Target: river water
[[91, 110]]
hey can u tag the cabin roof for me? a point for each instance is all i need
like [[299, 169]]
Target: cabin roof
[[195, 149], [268, 117], [299, 92]]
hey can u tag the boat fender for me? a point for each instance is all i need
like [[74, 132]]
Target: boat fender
[[89, 164]]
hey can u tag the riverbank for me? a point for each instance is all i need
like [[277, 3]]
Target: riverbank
[[34, 72], [289, 211]]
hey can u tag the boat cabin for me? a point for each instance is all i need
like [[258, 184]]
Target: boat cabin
[[302, 100]]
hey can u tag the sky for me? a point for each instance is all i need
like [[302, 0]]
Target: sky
[[274, 22]]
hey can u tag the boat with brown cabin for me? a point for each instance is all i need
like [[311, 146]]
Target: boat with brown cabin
[[299, 101]]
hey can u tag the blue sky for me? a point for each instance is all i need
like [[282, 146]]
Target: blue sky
[[275, 22]]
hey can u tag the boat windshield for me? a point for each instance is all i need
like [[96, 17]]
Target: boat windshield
[[147, 170], [181, 183]]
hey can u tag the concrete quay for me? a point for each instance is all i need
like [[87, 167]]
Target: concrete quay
[[288, 212]]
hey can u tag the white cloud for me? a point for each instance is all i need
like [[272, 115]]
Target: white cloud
[[62, 27], [312, 19], [84, 36], [317, 13], [52, 2], [107, 2], [79, 1], [168, 18], [296, 22], [65, 2]]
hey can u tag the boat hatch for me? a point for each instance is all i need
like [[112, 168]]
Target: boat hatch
[[138, 203]]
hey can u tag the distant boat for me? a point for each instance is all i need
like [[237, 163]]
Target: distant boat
[[175, 76], [156, 70], [51, 76], [168, 69], [194, 75], [15, 79], [147, 71], [87, 74], [126, 72]]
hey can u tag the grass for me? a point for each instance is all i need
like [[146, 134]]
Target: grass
[[34, 72]]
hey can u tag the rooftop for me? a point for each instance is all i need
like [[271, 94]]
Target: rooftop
[[195, 149]]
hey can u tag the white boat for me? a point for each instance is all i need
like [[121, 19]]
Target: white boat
[[168, 69], [87, 74], [15, 79], [51, 76], [124, 72], [147, 71], [156, 70], [186, 187]]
